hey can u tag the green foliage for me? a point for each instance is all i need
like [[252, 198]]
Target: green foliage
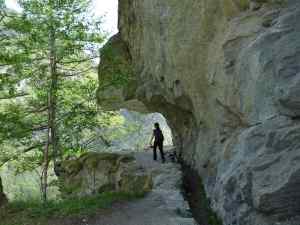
[[35, 212], [26, 81], [11, 115], [46, 52], [47, 82], [21, 180]]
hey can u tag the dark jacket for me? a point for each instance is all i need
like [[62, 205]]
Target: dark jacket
[[158, 135]]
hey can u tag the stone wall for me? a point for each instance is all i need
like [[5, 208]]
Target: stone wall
[[226, 75]]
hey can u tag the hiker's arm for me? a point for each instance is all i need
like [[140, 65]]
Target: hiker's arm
[[152, 137]]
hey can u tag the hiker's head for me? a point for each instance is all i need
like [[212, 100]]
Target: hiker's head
[[156, 125]]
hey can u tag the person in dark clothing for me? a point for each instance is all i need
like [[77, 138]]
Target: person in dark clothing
[[158, 142]]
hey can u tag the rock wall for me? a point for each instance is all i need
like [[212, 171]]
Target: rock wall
[[226, 75]]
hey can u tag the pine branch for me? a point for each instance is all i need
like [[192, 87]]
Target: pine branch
[[78, 61], [13, 96], [66, 74], [26, 150], [44, 109], [33, 147]]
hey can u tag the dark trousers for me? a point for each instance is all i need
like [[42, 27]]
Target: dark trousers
[[160, 147]]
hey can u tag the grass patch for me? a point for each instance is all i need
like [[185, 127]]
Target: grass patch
[[37, 213]]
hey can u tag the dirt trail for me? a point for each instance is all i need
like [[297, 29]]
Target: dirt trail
[[164, 205]]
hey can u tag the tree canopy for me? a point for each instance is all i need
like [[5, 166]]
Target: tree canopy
[[47, 79]]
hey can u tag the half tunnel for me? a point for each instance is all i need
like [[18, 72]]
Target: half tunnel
[[225, 76]]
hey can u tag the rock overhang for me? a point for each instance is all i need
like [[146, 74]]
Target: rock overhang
[[224, 74]]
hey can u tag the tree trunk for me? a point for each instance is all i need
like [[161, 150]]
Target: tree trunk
[[44, 176], [52, 138], [53, 96]]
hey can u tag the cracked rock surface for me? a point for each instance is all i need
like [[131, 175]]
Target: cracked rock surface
[[226, 76]]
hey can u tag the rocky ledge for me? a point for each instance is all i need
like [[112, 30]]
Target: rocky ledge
[[94, 173], [226, 76]]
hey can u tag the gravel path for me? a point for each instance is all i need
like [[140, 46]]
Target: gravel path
[[163, 206]]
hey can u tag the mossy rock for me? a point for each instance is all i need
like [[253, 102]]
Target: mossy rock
[[95, 172], [243, 4], [106, 188], [116, 73], [71, 188], [126, 159], [92, 159], [135, 184], [72, 167]]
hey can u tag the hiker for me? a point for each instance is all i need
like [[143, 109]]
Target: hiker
[[158, 142]]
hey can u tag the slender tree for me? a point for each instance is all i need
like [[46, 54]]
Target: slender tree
[[41, 48]]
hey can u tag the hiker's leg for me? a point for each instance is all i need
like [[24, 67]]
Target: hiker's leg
[[154, 151], [162, 154]]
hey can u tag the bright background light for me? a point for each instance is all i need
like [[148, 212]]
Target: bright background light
[[104, 8], [108, 9], [12, 4]]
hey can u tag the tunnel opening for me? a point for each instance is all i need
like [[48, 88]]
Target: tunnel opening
[[140, 127]]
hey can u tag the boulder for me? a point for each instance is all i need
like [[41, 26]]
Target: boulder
[[94, 173]]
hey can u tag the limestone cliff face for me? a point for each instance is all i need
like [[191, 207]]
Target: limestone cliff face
[[226, 75]]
